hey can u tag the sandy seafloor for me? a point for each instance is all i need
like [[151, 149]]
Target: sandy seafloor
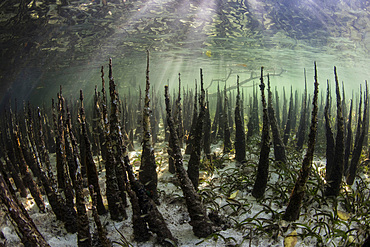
[[175, 213]]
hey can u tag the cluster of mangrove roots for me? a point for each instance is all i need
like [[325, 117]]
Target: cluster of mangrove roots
[[83, 151]]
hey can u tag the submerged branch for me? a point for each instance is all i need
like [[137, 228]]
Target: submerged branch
[[242, 82]]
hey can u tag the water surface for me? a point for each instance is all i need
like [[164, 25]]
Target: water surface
[[55, 44]]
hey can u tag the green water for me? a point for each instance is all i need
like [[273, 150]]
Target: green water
[[54, 45]]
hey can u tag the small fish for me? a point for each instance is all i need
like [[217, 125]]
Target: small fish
[[242, 64], [209, 53]]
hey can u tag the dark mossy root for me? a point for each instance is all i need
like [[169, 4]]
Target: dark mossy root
[[131, 136], [295, 111], [256, 117], [321, 138], [29, 234], [179, 122], [229, 112], [263, 164], [190, 140], [115, 204], [126, 124], [194, 161], [103, 120], [92, 174], [207, 130], [12, 166], [54, 198], [221, 117], [83, 229], [239, 129], [70, 217], [284, 117], [139, 120], [188, 110], [336, 174], [367, 123], [216, 118], [242, 99], [253, 123], [49, 133], [9, 189], [288, 125], [171, 166], [26, 175], [359, 118], [96, 117], [153, 118], [344, 112], [202, 226], [102, 233], [141, 231], [227, 140], [29, 148], [155, 219], [165, 127], [279, 147], [16, 175], [115, 153], [330, 143], [72, 152], [295, 202], [6, 178], [302, 121], [21, 152], [348, 148], [358, 146], [64, 183], [57, 203], [149, 210], [60, 142], [277, 107], [148, 173]]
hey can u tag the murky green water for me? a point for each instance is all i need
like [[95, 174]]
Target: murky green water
[[66, 45]]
